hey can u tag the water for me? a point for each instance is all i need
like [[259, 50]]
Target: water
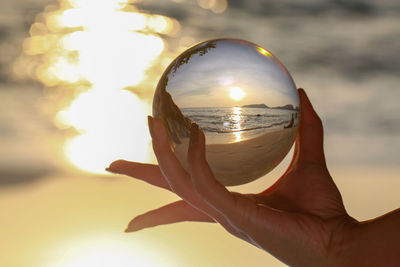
[[351, 71], [235, 124], [237, 119]]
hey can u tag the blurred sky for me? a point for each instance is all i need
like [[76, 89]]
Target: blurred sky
[[76, 83]]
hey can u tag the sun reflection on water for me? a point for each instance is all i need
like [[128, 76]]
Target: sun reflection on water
[[237, 118], [105, 46]]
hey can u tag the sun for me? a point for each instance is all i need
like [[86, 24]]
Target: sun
[[236, 93]]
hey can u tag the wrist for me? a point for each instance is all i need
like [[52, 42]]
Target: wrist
[[370, 243]]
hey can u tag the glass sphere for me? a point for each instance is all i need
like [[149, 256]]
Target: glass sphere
[[243, 99]]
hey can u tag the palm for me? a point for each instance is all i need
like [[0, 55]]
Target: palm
[[314, 208], [303, 191]]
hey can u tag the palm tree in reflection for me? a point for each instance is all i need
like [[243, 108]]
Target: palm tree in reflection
[[185, 57]]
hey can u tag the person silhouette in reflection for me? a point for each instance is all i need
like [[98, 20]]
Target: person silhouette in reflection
[[291, 122], [301, 219]]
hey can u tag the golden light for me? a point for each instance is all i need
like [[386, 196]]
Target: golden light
[[100, 5], [39, 44], [38, 28], [104, 252], [236, 93], [237, 112], [126, 21], [113, 125], [124, 65], [107, 45], [54, 21], [238, 136], [217, 6], [101, 47], [162, 24]]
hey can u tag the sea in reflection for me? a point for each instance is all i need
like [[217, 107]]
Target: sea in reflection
[[246, 121]]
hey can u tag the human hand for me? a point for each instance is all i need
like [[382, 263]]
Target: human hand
[[300, 219]]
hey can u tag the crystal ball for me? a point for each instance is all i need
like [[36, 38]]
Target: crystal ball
[[243, 99]]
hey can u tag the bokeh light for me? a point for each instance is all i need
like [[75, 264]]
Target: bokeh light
[[106, 46], [216, 6]]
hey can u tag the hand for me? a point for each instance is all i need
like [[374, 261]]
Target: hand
[[300, 219]]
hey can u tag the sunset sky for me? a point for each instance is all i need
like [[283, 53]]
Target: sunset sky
[[207, 81]]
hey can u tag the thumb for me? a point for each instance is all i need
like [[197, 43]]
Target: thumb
[[310, 138]]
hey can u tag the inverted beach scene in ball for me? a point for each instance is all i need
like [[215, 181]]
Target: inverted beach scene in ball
[[242, 98]]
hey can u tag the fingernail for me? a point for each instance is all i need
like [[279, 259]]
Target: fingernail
[[194, 133], [111, 170], [302, 92], [132, 228], [150, 123]]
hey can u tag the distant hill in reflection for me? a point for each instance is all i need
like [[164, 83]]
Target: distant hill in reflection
[[287, 107]]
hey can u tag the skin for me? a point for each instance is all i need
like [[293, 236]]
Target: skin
[[301, 219]]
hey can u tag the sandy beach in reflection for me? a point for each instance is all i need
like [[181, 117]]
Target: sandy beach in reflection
[[242, 162]]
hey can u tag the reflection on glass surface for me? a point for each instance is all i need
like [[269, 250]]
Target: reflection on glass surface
[[243, 99]]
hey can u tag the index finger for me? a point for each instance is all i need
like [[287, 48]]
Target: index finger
[[146, 172], [167, 161]]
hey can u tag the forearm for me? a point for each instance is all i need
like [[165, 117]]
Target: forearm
[[373, 243]]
